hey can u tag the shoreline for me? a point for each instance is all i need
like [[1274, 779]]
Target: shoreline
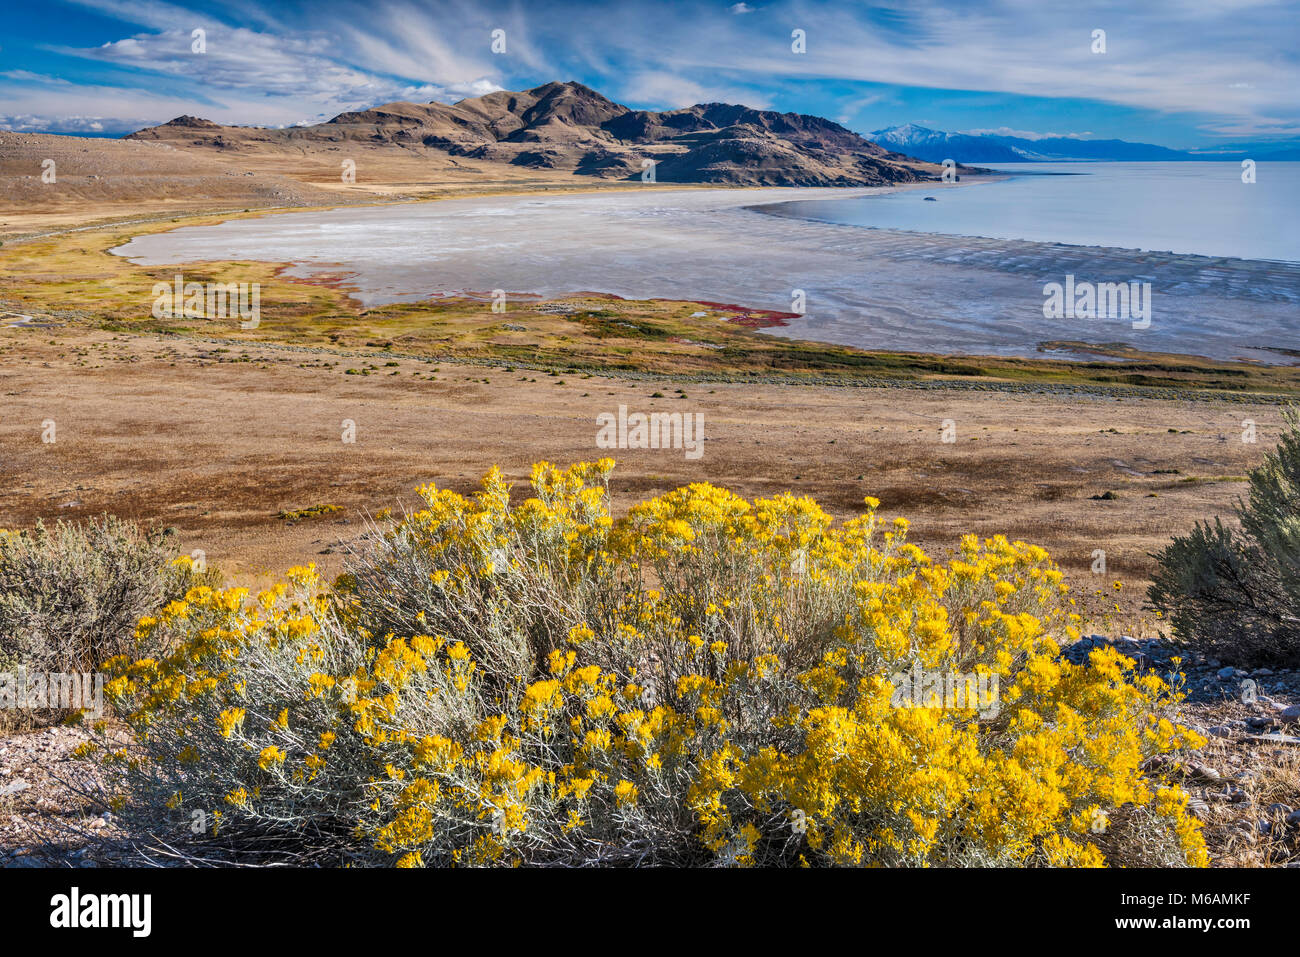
[[254, 212], [680, 341], [872, 289]]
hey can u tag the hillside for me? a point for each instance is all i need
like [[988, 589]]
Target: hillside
[[95, 179]]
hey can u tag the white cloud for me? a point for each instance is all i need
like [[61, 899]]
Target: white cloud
[[349, 56], [669, 91], [850, 110], [245, 77], [33, 123], [239, 59], [1163, 55], [1026, 134], [1263, 128], [59, 105]]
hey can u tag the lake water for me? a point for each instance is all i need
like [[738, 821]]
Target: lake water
[[1201, 208], [897, 288]]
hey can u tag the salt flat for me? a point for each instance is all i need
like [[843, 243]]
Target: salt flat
[[869, 288]]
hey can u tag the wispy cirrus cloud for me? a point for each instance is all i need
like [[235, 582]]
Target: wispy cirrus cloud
[[1223, 67], [274, 73], [673, 91]]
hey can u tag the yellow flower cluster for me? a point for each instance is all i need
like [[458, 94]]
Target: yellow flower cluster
[[707, 680]]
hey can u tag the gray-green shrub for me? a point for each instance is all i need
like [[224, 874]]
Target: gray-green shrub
[[71, 595], [1236, 593]]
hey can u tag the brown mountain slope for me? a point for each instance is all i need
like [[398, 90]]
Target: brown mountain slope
[[570, 128]]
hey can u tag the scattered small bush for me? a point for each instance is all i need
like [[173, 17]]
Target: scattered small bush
[[313, 511], [707, 681], [71, 596], [1235, 593]]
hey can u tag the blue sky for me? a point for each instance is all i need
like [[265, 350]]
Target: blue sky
[[1181, 74]]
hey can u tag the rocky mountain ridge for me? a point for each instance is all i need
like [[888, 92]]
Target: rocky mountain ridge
[[570, 127]]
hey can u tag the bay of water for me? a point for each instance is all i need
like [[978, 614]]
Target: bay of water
[[1199, 208]]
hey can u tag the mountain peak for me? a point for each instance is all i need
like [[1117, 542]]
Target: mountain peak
[[567, 126], [909, 129], [193, 122], [566, 86]]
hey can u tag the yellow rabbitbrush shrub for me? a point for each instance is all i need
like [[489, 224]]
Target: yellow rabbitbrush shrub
[[706, 681]]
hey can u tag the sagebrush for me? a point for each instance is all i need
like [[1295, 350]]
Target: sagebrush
[[704, 682], [1235, 592], [71, 595]]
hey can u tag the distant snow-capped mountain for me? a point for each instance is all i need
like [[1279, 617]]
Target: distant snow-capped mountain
[[963, 147], [936, 146]]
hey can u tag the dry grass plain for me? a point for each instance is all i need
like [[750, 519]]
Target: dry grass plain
[[217, 441]]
